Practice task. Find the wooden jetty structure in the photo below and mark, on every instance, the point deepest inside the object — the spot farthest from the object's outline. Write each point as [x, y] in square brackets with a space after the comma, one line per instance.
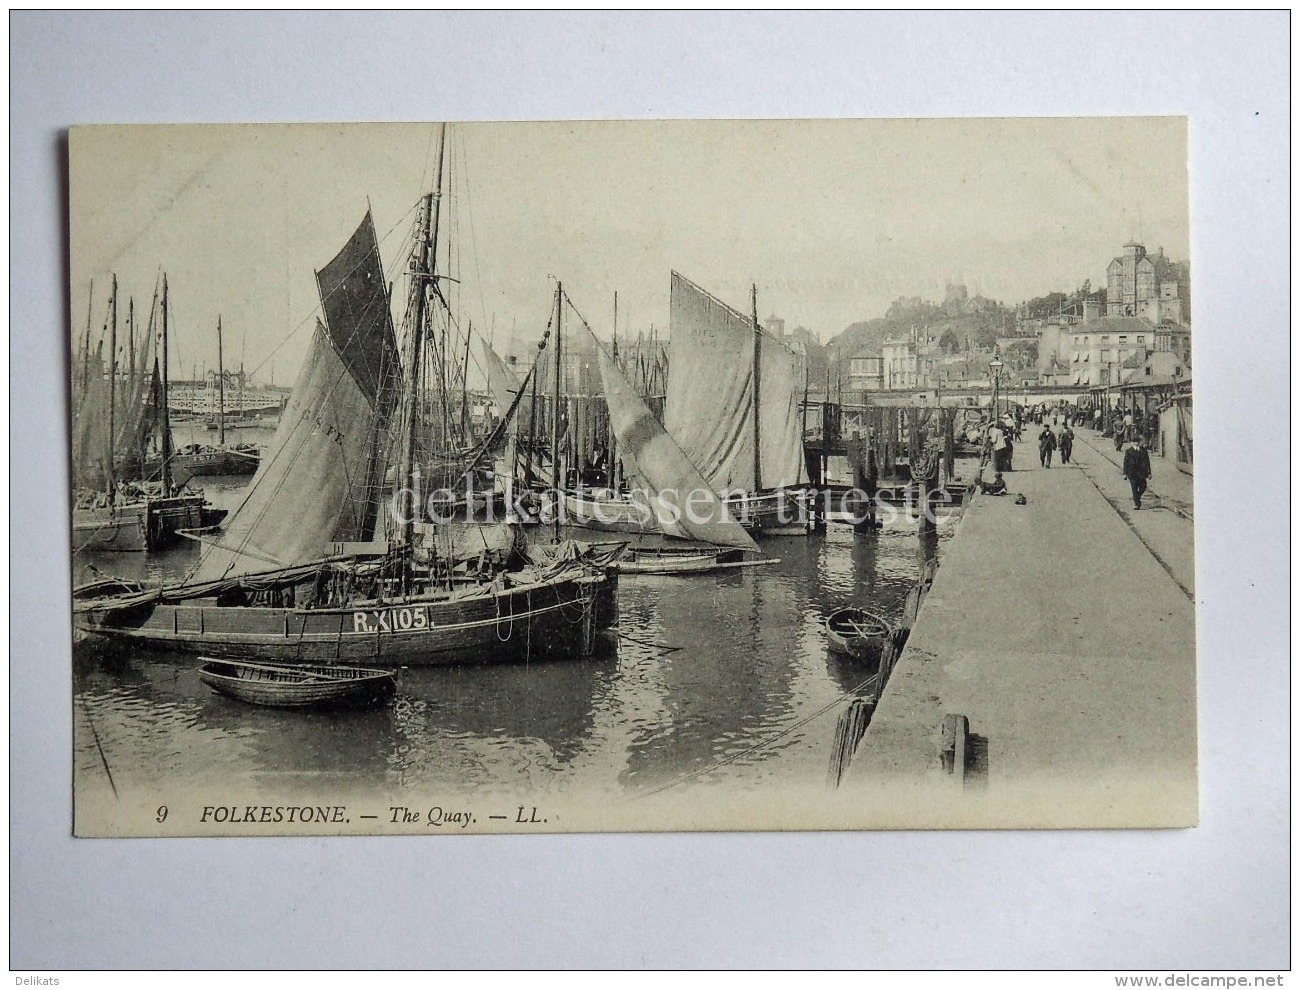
[901, 455]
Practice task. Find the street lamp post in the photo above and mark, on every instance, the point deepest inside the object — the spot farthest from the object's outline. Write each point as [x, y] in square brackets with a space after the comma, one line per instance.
[995, 372]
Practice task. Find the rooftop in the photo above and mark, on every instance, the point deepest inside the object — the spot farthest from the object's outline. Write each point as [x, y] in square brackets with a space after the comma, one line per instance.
[1116, 324]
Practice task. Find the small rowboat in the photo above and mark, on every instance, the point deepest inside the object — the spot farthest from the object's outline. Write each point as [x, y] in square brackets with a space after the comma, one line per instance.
[282, 686]
[693, 560]
[857, 633]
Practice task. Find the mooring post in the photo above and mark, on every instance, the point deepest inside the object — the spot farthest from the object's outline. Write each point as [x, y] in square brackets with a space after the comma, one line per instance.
[954, 746]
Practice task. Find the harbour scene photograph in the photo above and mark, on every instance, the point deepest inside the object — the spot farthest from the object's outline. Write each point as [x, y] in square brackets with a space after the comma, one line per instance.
[631, 476]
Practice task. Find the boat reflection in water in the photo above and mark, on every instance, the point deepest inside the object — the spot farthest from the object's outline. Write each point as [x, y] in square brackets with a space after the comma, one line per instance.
[709, 684]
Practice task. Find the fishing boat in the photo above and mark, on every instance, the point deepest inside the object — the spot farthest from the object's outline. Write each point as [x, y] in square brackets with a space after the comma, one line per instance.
[733, 408]
[309, 570]
[117, 414]
[203, 460]
[280, 686]
[857, 633]
[669, 495]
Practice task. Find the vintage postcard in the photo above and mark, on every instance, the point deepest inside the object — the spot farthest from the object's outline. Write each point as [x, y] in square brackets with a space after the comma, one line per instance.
[625, 476]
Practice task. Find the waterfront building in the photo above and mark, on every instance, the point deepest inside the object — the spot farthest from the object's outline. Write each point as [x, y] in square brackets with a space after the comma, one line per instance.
[1151, 367]
[866, 373]
[1099, 349]
[900, 363]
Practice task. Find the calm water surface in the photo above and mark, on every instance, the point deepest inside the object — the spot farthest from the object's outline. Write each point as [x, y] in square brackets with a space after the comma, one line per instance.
[710, 680]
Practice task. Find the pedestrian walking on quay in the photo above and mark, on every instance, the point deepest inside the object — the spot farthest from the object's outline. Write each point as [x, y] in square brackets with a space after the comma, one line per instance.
[1046, 444]
[1137, 469]
[1067, 443]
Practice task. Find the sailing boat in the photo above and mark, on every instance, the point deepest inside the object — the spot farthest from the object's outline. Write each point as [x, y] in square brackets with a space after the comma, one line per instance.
[733, 408]
[304, 572]
[223, 458]
[680, 500]
[110, 433]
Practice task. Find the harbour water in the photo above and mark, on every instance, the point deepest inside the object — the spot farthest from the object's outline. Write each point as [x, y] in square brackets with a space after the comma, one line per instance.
[710, 680]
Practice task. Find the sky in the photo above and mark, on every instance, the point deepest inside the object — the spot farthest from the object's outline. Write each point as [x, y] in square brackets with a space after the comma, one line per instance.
[832, 220]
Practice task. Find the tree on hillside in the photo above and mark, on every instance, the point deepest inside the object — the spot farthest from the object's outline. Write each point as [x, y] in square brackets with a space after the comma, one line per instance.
[949, 342]
[1022, 354]
[1048, 305]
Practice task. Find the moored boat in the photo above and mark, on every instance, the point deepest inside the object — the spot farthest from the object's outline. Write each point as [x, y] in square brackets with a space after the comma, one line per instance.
[601, 509]
[733, 408]
[523, 615]
[118, 414]
[279, 686]
[205, 460]
[318, 564]
[111, 527]
[857, 633]
[139, 522]
[686, 560]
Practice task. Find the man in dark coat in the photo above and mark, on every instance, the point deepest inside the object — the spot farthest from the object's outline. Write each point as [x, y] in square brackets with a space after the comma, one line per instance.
[1137, 468]
[1046, 444]
[1067, 442]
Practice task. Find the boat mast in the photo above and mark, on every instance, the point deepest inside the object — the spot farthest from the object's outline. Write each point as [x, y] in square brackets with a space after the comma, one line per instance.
[130, 348]
[422, 270]
[464, 390]
[221, 389]
[611, 442]
[758, 357]
[803, 410]
[555, 419]
[112, 389]
[85, 353]
[166, 405]
[420, 277]
[532, 459]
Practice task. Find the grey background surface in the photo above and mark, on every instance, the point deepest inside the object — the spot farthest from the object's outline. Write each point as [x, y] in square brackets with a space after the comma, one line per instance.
[1215, 896]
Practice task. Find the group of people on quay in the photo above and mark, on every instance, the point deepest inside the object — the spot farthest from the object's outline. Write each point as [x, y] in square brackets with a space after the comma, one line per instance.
[1057, 423]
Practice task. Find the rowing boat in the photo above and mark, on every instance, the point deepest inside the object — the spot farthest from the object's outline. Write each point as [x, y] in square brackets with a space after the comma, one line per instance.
[857, 633]
[687, 560]
[297, 687]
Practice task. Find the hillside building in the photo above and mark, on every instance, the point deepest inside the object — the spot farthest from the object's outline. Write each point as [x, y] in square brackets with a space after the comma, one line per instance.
[1148, 286]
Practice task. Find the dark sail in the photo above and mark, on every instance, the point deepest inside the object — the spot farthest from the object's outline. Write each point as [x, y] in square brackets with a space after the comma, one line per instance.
[318, 481]
[354, 298]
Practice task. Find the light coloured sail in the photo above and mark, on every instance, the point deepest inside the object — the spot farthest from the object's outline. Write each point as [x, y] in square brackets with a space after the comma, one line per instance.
[90, 444]
[683, 502]
[318, 481]
[709, 409]
[504, 387]
[502, 382]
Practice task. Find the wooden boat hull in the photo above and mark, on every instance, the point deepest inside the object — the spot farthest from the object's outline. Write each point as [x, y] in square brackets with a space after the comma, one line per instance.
[781, 513]
[609, 515]
[205, 463]
[686, 562]
[777, 513]
[151, 524]
[857, 633]
[169, 515]
[298, 687]
[551, 618]
[123, 528]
